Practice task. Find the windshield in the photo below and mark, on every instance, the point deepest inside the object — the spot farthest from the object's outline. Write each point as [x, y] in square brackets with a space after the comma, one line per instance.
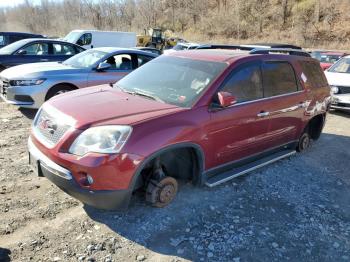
[329, 58]
[11, 48]
[342, 66]
[85, 59]
[72, 37]
[179, 47]
[173, 80]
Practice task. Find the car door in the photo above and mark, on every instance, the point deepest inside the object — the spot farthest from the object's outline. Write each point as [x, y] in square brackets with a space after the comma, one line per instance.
[32, 53]
[121, 65]
[286, 101]
[62, 51]
[238, 131]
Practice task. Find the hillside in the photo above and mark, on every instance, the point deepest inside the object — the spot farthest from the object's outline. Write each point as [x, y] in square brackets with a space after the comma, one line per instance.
[311, 23]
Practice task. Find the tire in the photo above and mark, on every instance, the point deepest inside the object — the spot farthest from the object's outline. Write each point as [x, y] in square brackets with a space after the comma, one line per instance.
[57, 90]
[161, 193]
[304, 142]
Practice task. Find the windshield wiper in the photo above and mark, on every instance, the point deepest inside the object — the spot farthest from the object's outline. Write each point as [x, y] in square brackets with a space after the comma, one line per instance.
[138, 93]
[148, 96]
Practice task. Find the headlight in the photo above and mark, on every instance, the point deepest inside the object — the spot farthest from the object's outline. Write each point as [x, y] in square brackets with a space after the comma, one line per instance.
[32, 82]
[101, 139]
[334, 89]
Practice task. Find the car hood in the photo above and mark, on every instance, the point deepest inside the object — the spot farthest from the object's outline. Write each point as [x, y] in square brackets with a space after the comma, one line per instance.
[104, 105]
[28, 71]
[338, 79]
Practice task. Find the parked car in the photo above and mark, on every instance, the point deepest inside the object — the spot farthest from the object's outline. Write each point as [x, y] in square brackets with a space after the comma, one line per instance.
[35, 50]
[7, 38]
[32, 84]
[94, 38]
[201, 116]
[181, 46]
[328, 58]
[338, 77]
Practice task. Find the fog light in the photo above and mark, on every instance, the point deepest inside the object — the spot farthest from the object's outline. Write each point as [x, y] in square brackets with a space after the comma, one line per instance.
[85, 179]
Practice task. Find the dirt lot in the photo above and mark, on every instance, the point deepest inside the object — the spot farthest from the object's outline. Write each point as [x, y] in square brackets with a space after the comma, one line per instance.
[297, 209]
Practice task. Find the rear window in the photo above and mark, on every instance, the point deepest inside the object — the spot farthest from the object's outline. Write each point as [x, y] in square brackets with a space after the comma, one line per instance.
[313, 74]
[278, 78]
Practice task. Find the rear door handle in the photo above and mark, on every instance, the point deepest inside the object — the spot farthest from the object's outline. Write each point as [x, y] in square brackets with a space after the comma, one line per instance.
[263, 114]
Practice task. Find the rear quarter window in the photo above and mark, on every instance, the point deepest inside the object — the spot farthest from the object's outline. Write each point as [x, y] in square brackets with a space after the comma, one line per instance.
[314, 75]
[278, 78]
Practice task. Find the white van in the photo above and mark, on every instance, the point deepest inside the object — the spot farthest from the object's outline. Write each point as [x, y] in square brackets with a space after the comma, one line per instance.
[94, 38]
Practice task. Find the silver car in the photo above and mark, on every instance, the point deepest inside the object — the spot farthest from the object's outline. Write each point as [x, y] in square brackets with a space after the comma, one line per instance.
[31, 85]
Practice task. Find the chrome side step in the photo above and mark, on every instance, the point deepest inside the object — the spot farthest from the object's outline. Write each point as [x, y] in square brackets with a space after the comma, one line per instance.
[235, 172]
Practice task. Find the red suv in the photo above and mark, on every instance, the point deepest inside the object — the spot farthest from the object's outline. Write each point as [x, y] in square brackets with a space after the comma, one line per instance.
[204, 115]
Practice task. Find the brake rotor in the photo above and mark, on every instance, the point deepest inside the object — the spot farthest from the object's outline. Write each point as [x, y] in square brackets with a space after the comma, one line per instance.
[161, 193]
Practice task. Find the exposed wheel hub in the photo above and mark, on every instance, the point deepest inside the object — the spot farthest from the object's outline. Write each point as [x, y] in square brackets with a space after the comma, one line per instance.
[161, 193]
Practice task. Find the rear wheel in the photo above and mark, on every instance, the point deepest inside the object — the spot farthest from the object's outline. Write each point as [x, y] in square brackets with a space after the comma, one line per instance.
[161, 193]
[57, 90]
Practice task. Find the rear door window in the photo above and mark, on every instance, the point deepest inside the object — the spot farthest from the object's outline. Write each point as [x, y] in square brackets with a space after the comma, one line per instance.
[245, 83]
[63, 49]
[142, 59]
[313, 74]
[278, 78]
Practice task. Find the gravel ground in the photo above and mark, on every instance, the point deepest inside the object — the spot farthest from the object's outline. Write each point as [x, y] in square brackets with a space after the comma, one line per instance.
[297, 209]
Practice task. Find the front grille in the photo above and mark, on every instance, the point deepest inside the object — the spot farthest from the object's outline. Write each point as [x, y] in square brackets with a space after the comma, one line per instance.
[344, 89]
[49, 129]
[4, 84]
[343, 105]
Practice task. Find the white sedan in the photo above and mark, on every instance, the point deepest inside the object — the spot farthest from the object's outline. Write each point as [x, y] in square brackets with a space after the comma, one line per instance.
[338, 77]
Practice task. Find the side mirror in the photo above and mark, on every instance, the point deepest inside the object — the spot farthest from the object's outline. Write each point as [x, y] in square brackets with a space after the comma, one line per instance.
[103, 66]
[226, 99]
[22, 52]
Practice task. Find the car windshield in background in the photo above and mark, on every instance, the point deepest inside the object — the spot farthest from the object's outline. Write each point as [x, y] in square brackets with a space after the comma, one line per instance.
[179, 47]
[72, 37]
[9, 49]
[329, 58]
[172, 80]
[85, 59]
[342, 66]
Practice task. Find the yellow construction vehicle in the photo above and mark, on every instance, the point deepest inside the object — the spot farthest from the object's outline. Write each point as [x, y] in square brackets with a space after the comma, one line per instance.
[155, 38]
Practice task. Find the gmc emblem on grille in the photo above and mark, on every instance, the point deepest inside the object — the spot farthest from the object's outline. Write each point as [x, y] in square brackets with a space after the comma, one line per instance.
[48, 124]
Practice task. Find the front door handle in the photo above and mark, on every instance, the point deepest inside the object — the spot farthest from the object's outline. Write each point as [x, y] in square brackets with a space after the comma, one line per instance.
[302, 104]
[263, 114]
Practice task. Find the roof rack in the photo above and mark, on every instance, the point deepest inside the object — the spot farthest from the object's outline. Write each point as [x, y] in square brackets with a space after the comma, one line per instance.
[216, 46]
[289, 51]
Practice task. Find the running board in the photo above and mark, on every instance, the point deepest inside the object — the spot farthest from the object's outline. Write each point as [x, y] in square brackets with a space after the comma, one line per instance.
[238, 171]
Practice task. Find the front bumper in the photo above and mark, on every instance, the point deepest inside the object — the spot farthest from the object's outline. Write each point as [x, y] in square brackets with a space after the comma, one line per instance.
[63, 178]
[35, 95]
[341, 102]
